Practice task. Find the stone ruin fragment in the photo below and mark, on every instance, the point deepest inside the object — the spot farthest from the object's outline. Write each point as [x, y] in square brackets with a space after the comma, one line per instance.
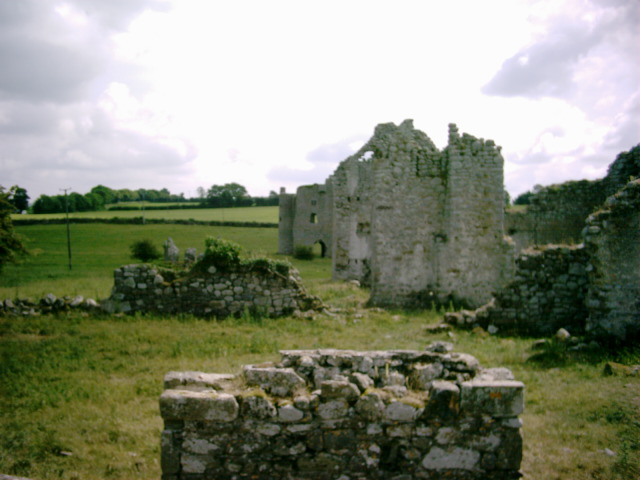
[343, 414]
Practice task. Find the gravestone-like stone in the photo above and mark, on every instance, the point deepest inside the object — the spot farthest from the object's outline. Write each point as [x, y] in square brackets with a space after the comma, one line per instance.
[171, 251]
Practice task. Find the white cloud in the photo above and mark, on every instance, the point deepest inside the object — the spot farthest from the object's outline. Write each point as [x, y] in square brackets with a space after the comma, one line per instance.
[181, 94]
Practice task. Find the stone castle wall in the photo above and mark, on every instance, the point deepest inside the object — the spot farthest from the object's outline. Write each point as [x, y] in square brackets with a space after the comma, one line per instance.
[287, 214]
[306, 218]
[436, 218]
[557, 213]
[352, 221]
[414, 223]
[612, 240]
[145, 288]
[338, 414]
[547, 294]
[593, 287]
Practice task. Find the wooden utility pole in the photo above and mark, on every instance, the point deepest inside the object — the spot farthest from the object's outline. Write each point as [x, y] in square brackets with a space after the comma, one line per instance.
[66, 207]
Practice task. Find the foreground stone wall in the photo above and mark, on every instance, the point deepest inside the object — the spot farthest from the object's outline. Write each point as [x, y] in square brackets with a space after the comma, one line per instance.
[144, 288]
[340, 414]
[612, 240]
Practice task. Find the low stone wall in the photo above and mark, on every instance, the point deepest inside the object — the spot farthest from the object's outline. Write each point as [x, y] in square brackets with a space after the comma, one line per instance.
[547, 293]
[340, 414]
[144, 288]
[26, 307]
[556, 215]
[612, 239]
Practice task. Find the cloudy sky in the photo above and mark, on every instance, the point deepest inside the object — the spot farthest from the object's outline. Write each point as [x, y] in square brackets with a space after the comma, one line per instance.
[188, 93]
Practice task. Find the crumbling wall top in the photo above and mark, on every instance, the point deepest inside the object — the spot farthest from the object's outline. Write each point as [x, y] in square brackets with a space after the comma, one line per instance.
[330, 414]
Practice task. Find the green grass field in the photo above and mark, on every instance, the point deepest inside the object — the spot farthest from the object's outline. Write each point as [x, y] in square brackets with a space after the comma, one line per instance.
[98, 249]
[240, 214]
[79, 394]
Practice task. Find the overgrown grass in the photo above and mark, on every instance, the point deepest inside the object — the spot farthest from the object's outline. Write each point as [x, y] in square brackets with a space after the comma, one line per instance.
[82, 392]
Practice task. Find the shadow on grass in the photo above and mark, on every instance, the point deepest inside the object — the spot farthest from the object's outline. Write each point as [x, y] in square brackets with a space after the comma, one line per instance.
[553, 353]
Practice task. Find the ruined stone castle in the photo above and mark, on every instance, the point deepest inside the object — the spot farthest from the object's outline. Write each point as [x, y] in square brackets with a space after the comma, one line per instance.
[412, 222]
[421, 226]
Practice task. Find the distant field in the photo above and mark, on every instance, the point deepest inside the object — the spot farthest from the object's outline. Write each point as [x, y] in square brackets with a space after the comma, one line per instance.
[148, 204]
[240, 214]
[97, 249]
[517, 208]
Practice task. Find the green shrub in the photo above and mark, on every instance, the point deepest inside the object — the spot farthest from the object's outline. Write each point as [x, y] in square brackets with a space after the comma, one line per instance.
[144, 250]
[220, 253]
[268, 265]
[303, 252]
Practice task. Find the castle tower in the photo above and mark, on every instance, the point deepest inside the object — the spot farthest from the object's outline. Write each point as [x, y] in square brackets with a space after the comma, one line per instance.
[287, 209]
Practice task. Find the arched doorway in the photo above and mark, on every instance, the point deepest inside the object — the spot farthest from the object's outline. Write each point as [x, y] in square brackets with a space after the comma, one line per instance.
[320, 249]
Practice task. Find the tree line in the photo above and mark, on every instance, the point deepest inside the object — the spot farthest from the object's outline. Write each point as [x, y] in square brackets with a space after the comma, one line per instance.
[233, 195]
[11, 245]
[100, 197]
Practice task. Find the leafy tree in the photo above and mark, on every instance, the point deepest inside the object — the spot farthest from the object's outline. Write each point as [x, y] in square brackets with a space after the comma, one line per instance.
[272, 200]
[524, 198]
[107, 194]
[11, 245]
[47, 204]
[236, 191]
[95, 201]
[126, 195]
[20, 199]
[507, 199]
[148, 195]
[228, 195]
[80, 203]
[144, 250]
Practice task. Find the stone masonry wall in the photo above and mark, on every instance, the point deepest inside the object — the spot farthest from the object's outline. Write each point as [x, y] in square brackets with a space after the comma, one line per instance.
[593, 287]
[414, 223]
[306, 218]
[417, 224]
[144, 288]
[612, 240]
[547, 294]
[347, 415]
[557, 213]
[287, 212]
[352, 222]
